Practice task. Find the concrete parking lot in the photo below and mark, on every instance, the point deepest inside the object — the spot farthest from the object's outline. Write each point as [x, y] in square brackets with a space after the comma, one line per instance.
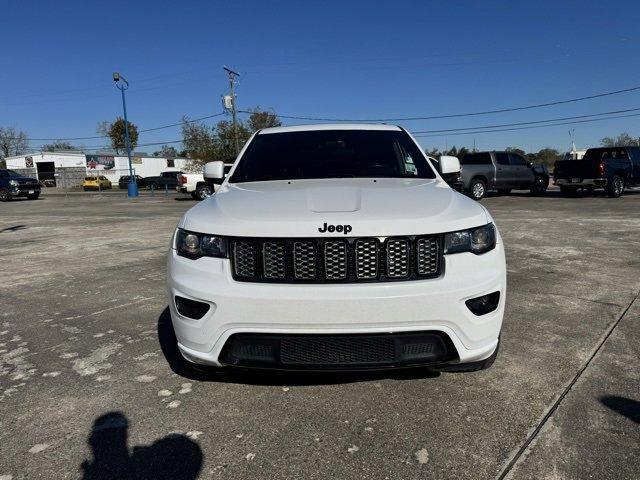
[89, 385]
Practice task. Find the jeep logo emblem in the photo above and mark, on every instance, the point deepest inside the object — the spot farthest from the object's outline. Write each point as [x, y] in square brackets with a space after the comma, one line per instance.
[335, 228]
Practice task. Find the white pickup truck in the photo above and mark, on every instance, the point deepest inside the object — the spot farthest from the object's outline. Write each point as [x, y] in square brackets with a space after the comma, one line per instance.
[333, 247]
[196, 185]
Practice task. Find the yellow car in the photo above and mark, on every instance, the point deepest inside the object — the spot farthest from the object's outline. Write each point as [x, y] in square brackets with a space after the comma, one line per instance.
[96, 182]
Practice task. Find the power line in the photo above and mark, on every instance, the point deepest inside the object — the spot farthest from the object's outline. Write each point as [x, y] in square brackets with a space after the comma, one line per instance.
[457, 115]
[139, 131]
[527, 123]
[526, 128]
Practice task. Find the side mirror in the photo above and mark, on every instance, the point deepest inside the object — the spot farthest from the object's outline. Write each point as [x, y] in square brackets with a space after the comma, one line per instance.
[449, 165]
[214, 170]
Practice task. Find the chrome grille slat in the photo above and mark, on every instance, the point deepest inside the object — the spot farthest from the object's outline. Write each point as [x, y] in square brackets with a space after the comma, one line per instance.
[398, 258]
[273, 260]
[304, 260]
[335, 259]
[244, 256]
[367, 258]
[348, 260]
[428, 257]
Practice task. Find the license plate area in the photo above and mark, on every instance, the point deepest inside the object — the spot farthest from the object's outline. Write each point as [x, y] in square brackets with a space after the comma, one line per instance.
[575, 180]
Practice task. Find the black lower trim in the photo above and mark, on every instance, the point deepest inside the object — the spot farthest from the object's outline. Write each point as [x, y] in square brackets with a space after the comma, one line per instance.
[338, 352]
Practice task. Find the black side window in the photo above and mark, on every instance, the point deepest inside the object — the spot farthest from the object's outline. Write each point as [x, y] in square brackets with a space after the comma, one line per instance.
[516, 159]
[483, 158]
[502, 158]
[170, 163]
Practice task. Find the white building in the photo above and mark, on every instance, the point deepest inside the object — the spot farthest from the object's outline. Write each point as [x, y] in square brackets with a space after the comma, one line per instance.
[68, 169]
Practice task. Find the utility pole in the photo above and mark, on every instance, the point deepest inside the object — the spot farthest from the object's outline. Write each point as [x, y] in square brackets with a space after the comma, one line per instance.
[234, 111]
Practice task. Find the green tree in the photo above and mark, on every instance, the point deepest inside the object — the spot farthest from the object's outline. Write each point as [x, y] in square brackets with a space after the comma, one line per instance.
[434, 152]
[204, 144]
[115, 132]
[166, 151]
[516, 150]
[260, 119]
[622, 140]
[548, 156]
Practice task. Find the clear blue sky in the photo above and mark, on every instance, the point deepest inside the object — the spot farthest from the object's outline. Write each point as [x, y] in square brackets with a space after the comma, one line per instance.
[328, 59]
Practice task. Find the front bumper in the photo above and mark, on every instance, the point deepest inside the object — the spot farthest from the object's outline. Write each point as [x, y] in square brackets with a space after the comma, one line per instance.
[422, 306]
[25, 190]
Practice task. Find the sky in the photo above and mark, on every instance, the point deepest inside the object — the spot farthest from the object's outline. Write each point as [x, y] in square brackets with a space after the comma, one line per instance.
[342, 59]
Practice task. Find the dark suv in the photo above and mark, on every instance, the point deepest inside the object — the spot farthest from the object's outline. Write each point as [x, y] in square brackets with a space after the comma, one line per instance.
[501, 171]
[12, 184]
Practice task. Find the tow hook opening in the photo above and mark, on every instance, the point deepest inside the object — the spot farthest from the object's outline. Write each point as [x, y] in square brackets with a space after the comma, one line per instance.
[484, 304]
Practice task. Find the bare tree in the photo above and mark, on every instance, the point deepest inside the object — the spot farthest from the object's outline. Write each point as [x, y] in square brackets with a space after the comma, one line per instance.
[12, 142]
[59, 145]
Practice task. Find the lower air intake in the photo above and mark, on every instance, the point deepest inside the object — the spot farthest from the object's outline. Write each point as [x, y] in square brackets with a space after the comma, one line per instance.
[336, 352]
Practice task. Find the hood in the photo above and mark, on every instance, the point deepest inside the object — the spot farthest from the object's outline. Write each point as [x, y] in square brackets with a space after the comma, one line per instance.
[300, 208]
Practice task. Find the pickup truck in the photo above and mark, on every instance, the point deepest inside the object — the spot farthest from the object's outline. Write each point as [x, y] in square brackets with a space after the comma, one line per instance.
[199, 187]
[501, 171]
[167, 179]
[612, 169]
[12, 184]
[336, 247]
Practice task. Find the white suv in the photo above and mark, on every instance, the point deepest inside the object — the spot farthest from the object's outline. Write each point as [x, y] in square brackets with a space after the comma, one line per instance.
[337, 247]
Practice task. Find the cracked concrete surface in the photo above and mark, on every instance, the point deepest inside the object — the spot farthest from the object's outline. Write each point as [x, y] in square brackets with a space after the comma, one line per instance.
[86, 274]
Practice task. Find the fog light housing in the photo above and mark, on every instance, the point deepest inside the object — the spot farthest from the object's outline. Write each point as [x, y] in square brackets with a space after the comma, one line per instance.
[191, 308]
[484, 304]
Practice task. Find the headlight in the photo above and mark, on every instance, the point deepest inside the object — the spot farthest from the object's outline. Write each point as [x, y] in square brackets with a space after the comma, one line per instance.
[475, 240]
[195, 245]
[13, 183]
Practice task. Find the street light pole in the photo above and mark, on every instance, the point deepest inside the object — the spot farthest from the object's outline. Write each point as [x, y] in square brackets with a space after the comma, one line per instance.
[122, 84]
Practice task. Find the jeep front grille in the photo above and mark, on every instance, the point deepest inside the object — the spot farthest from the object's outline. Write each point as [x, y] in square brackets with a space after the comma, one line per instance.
[332, 260]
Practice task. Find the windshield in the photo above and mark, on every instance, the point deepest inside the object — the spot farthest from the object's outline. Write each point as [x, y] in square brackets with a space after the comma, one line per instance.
[331, 154]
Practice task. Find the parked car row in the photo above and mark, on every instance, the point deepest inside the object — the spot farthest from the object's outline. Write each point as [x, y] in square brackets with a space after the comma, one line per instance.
[611, 169]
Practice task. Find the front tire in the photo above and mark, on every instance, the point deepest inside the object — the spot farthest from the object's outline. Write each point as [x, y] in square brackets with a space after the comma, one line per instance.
[5, 195]
[615, 187]
[204, 191]
[477, 189]
[540, 185]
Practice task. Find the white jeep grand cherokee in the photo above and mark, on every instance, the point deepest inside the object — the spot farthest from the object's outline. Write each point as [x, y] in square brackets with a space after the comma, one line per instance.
[337, 247]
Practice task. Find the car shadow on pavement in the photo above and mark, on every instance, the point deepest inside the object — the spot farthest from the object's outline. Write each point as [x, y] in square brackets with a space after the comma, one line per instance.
[174, 457]
[624, 406]
[168, 344]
